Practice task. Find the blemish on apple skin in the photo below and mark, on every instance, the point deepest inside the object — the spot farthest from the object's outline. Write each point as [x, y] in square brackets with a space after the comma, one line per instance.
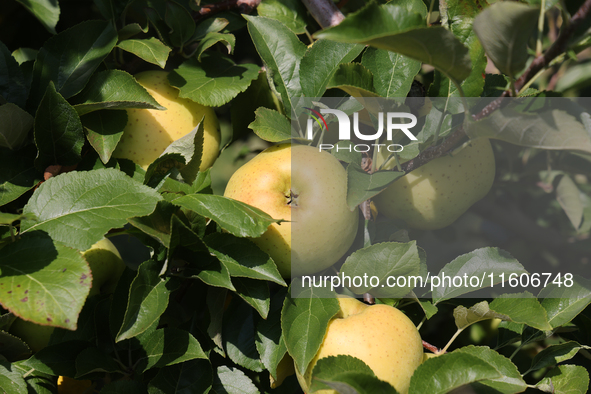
[25, 299]
[9, 291]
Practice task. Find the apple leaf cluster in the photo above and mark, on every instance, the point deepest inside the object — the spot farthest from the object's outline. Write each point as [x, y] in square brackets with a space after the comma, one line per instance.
[201, 306]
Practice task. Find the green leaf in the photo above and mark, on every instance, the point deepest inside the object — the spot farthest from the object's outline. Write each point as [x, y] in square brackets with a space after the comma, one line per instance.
[269, 337]
[359, 383]
[504, 30]
[158, 224]
[59, 135]
[282, 52]
[211, 25]
[354, 79]
[459, 17]
[439, 375]
[289, 12]
[104, 129]
[206, 267]
[11, 379]
[398, 29]
[568, 196]
[111, 9]
[555, 354]
[270, 125]
[70, 58]
[509, 381]
[551, 129]
[190, 147]
[12, 82]
[243, 258]
[330, 369]
[321, 61]
[362, 186]
[245, 221]
[46, 11]
[37, 382]
[113, 89]
[18, 173]
[43, 281]
[565, 379]
[212, 38]
[169, 346]
[479, 263]
[151, 50]
[216, 302]
[393, 73]
[13, 348]
[465, 317]
[57, 359]
[214, 81]
[563, 303]
[522, 308]
[65, 204]
[148, 299]
[23, 55]
[194, 376]
[238, 336]
[304, 320]
[181, 23]
[15, 126]
[383, 261]
[232, 381]
[255, 292]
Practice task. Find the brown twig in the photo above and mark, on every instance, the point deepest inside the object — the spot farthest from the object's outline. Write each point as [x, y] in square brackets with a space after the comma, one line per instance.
[244, 6]
[430, 347]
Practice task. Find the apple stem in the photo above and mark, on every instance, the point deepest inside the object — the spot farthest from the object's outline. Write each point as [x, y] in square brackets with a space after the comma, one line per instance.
[453, 338]
[430, 347]
[369, 299]
[292, 198]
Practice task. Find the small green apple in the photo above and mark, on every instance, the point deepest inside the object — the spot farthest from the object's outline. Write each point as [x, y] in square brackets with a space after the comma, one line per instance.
[379, 335]
[434, 195]
[309, 189]
[106, 266]
[148, 131]
[34, 335]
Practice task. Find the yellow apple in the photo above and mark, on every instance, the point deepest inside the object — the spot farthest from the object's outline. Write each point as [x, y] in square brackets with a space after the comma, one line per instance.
[106, 266]
[434, 195]
[148, 131]
[309, 189]
[34, 335]
[379, 335]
